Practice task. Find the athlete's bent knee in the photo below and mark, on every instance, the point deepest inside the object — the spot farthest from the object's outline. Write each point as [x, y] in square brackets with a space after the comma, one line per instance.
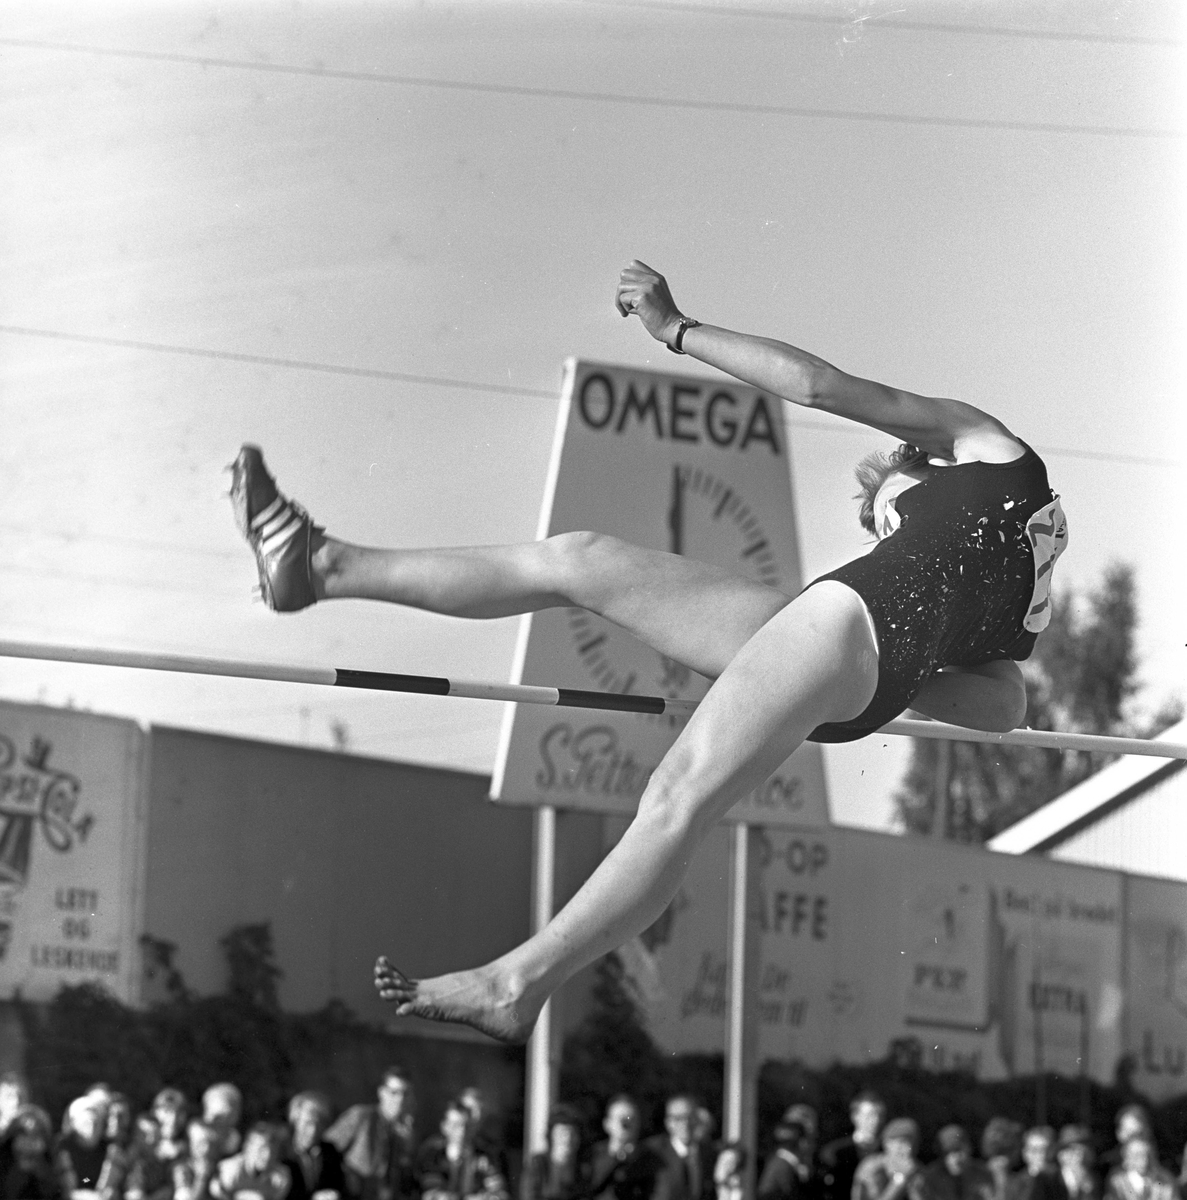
[571, 555]
[579, 543]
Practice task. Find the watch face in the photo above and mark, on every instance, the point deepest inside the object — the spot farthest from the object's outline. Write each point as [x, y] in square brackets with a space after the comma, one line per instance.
[707, 520]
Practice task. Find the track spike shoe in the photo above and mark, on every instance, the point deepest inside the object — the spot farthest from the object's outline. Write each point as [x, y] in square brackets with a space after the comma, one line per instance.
[278, 530]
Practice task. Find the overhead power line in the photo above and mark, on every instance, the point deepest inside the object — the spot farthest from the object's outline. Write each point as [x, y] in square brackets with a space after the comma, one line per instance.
[659, 102]
[289, 363]
[296, 364]
[882, 22]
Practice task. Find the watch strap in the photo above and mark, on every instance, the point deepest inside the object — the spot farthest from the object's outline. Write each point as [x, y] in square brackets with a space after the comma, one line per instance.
[676, 345]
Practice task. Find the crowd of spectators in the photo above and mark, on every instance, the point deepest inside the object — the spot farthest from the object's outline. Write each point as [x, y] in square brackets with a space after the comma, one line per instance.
[104, 1150]
[176, 1150]
[883, 1160]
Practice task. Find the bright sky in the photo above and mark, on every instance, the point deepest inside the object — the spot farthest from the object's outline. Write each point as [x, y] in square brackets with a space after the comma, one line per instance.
[366, 236]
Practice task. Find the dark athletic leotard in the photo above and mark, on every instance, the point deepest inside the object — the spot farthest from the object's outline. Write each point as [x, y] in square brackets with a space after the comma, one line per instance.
[963, 580]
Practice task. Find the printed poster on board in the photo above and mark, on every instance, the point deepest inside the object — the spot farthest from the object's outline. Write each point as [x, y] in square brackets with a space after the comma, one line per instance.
[688, 465]
[70, 853]
[873, 945]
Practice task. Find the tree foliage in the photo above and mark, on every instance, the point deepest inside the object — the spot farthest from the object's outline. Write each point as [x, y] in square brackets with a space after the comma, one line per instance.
[610, 1051]
[86, 1034]
[1078, 680]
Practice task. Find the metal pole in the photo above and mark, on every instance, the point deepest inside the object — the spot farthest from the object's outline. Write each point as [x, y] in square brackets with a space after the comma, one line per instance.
[539, 1064]
[736, 1012]
[742, 1015]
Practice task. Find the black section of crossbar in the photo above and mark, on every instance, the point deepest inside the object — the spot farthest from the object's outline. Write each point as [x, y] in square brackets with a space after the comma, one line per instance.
[383, 681]
[614, 701]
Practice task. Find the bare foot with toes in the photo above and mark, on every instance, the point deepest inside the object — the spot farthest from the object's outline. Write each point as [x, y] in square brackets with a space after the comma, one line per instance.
[481, 999]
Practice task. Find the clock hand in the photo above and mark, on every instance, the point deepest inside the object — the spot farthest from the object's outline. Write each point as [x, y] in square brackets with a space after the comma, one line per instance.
[676, 512]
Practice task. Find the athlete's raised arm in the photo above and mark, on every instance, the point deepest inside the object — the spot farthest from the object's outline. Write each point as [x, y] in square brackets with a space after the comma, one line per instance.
[950, 429]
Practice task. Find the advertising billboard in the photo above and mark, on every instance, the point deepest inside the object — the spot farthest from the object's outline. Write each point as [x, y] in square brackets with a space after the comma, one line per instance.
[873, 945]
[71, 851]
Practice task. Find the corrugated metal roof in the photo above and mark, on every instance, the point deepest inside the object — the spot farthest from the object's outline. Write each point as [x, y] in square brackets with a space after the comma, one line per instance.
[1147, 836]
[1090, 802]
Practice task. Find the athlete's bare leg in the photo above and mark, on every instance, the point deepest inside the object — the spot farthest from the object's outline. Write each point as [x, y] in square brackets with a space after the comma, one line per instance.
[697, 614]
[813, 661]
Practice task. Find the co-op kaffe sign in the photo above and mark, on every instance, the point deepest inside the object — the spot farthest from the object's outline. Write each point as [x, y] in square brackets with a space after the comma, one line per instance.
[70, 785]
[691, 466]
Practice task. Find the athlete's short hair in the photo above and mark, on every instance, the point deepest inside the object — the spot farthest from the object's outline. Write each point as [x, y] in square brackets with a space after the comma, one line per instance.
[871, 474]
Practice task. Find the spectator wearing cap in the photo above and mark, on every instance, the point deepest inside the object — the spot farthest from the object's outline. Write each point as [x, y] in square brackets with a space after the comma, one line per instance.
[314, 1163]
[29, 1173]
[620, 1168]
[839, 1159]
[955, 1175]
[1140, 1177]
[1039, 1178]
[375, 1141]
[1132, 1120]
[787, 1174]
[1074, 1155]
[895, 1173]
[1001, 1151]
[81, 1150]
[557, 1173]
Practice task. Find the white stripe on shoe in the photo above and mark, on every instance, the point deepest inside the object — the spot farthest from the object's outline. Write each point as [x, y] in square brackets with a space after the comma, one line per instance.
[282, 537]
[269, 512]
[282, 518]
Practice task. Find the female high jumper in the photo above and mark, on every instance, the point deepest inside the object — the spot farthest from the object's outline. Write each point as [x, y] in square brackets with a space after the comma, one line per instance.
[934, 617]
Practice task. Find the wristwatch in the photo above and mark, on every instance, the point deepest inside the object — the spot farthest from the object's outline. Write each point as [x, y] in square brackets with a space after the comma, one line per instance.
[675, 344]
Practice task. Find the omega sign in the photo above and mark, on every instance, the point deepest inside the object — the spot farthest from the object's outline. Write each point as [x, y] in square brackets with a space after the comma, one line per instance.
[678, 412]
[689, 466]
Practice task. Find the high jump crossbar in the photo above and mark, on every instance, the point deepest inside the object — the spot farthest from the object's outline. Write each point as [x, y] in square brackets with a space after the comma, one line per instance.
[428, 685]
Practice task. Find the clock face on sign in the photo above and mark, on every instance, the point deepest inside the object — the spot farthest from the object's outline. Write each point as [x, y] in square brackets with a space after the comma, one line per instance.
[709, 520]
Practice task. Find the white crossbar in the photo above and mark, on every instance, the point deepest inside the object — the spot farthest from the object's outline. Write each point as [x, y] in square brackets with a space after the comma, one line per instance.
[533, 694]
